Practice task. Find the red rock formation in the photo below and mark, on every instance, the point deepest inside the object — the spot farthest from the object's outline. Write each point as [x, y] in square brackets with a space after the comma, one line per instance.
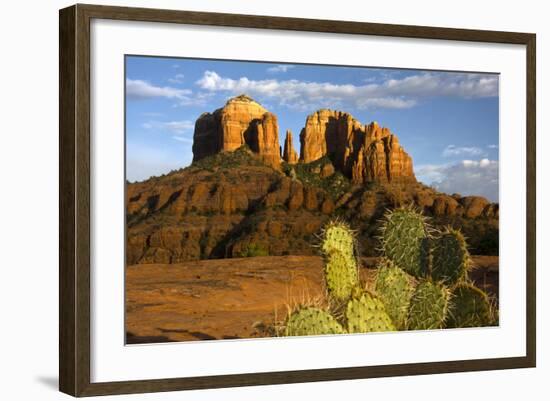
[444, 205]
[331, 132]
[264, 139]
[386, 161]
[289, 154]
[241, 121]
[375, 132]
[474, 206]
[364, 153]
[206, 139]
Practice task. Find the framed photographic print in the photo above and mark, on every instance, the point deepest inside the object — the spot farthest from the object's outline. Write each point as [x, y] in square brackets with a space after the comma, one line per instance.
[250, 200]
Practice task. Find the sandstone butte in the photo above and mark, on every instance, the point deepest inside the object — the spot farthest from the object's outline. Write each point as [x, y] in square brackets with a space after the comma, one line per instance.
[364, 153]
[242, 121]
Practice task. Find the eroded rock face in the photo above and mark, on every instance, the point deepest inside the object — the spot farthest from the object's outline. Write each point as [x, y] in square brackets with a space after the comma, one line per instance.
[444, 205]
[242, 121]
[207, 136]
[385, 160]
[264, 139]
[289, 154]
[363, 153]
[331, 132]
[474, 206]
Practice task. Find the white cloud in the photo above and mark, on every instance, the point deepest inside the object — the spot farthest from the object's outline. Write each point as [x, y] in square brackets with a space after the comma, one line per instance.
[139, 89]
[453, 150]
[469, 177]
[446, 84]
[198, 99]
[180, 126]
[492, 146]
[177, 127]
[177, 79]
[385, 103]
[391, 93]
[280, 68]
[430, 173]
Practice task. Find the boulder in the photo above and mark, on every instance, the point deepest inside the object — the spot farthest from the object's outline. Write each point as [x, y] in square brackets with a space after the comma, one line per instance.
[296, 196]
[473, 206]
[424, 199]
[444, 205]
[327, 170]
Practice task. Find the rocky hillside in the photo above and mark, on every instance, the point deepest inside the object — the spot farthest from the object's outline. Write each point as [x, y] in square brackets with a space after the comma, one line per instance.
[242, 196]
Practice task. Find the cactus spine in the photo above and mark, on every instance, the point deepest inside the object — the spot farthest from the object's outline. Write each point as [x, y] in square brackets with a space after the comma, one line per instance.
[404, 240]
[450, 257]
[367, 314]
[309, 321]
[338, 247]
[429, 306]
[470, 307]
[394, 288]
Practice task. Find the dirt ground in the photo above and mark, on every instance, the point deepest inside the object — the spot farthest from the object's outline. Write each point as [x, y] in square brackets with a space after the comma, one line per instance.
[234, 298]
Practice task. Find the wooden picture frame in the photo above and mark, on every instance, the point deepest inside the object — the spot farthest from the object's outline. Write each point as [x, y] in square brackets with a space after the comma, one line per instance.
[74, 204]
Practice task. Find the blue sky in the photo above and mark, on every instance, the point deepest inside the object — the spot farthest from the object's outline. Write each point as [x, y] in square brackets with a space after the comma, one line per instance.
[447, 121]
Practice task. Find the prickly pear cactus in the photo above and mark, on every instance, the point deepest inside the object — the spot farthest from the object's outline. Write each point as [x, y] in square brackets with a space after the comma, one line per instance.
[367, 314]
[341, 275]
[394, 288]
[404, 240]
[429, 306]
[338, 236]
[470, 307]
[450, 257]
[309, 321]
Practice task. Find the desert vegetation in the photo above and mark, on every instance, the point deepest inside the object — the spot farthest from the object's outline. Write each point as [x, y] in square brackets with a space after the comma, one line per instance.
[421, 282]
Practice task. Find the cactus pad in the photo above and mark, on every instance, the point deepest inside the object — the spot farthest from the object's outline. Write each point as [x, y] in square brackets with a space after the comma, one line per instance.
[429, 306]
[404, 240]
[450, 257]
[341, 275]
[309, 321]
[394, 288]
[470, 307]
[338, 236]
[367, 314]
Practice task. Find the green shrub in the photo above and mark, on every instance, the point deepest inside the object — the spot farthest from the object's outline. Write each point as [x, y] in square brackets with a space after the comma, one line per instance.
[253, 250]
